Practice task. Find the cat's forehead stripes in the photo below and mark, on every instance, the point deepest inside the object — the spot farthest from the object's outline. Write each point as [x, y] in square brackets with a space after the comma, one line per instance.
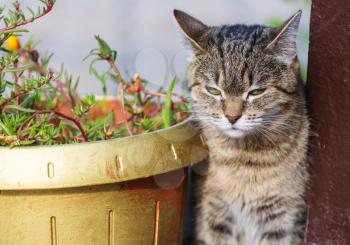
[235, 58]
[232, 46]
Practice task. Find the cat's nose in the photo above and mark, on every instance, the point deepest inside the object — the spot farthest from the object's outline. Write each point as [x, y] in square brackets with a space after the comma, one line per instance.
[232, 119]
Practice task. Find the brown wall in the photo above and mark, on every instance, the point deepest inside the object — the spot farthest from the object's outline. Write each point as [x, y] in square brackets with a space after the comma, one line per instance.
[328, 91]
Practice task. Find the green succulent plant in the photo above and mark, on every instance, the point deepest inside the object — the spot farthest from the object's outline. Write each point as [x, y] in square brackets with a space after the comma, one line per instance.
[41, 106]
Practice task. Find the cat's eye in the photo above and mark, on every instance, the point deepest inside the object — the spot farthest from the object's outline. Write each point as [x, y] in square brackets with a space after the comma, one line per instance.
[256, 92]
[213, 91]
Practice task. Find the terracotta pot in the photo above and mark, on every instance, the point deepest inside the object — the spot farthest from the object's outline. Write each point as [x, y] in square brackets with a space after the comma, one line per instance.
[125, 191]
[110, 105]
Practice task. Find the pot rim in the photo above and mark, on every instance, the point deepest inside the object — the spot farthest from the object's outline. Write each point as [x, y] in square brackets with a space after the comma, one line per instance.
[101, 162]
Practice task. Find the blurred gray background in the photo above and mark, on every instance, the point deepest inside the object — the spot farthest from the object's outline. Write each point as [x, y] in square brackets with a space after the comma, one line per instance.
[144, 32]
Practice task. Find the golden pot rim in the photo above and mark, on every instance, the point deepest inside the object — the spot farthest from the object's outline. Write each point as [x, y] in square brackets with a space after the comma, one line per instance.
[101, 162]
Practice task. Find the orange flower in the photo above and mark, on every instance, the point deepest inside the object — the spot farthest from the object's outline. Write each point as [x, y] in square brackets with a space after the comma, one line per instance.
[130, 89]
[137, 81]
[12, 43]
[109, 133]
[137, 84]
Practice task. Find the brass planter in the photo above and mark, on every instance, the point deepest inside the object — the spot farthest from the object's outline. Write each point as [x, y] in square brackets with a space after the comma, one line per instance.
[125, 191]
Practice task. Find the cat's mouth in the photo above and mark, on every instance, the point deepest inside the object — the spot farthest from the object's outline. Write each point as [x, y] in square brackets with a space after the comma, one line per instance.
[235, 132]
[232, 130]
[237, 129]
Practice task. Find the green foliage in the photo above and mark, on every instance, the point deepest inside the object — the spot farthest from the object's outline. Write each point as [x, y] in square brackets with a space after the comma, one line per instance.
[104, 51]
[274, 22]
[303, 73]
[39, 105]
[85, 105]
[166, 112]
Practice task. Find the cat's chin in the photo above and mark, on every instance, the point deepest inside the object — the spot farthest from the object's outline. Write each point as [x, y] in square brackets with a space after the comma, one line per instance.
[234, 133]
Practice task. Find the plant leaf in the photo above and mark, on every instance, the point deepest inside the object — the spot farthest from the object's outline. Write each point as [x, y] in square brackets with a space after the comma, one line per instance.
[166, 111]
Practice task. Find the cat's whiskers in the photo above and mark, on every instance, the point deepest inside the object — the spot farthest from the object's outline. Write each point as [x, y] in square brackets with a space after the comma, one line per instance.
[265, 134]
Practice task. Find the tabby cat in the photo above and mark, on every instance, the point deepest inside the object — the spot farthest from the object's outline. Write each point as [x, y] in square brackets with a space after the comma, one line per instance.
[249, 101]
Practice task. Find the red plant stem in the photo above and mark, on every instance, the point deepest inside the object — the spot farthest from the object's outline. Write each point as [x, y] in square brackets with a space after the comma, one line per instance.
[73, 120]
[7, 101]
[120, 92]
[17, 7]
[59, 114]
[163, 94]
[28, 20]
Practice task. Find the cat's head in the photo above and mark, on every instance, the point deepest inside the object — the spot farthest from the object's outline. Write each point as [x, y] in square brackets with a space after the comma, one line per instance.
[243, 79]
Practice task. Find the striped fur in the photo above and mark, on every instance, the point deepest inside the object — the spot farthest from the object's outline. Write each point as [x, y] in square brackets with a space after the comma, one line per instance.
[254, 191]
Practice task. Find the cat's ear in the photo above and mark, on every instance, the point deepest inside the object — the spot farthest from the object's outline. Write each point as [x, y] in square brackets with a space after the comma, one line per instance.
[284, 41]
[192, 28]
